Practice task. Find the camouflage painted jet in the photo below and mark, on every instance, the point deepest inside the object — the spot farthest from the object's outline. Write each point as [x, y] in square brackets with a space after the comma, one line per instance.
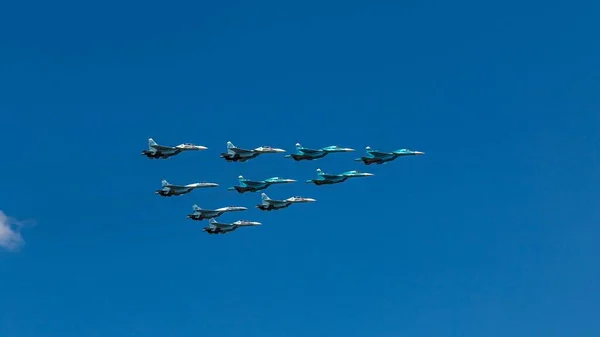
[253, 186]
[168, 189]
[303, 153]
[269, 204]
[201, 214]
[236, 154]
[376, 157]
[156, 151]
[215, 227]
[327, 179]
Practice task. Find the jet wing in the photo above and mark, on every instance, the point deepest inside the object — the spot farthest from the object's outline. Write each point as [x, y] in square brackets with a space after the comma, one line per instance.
[205, 211]
[162, 147]
[311, 151]
[238, 150]
[381, 154]
[253, 183]
[221, 225]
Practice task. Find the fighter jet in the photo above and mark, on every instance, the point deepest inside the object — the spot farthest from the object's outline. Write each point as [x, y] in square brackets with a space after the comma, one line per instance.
[168, 189]
[156, 151]
[201, 214]
[236, 154]
[327, 179]
[215, 227]
[269, 204]
[303, 153]
[376, 157]
[253, 186]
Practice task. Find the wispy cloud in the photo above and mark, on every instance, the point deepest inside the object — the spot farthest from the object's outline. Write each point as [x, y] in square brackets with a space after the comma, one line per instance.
[10, 233]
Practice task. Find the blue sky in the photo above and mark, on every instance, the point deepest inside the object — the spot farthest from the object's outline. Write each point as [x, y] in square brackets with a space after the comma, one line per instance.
[492, 233]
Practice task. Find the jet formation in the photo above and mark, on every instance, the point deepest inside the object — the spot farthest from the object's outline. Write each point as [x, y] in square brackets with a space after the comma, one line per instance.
[236, 154]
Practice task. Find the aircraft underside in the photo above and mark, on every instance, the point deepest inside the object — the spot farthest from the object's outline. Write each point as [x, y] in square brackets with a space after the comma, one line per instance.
[170, 193]
[236, 157]
[217, 230]
[369, 161]
[270, 207]
[298, 157]
[157, 155]
[203, 216]
[326, 182]
[243, 189]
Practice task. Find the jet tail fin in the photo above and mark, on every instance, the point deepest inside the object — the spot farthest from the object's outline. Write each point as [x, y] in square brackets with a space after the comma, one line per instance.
[230, 147]
[320, 172]
[264, 197]
[196, 208]
[164, 183]
[151, 143]
[299, 147]
[212, 221]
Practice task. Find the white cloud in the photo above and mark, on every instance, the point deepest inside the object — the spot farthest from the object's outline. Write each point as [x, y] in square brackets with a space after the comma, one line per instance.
[10, 233]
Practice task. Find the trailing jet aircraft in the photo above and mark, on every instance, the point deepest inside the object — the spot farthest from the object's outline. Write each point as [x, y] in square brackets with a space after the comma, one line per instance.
[269, 204]
[377, 157]
[236, 154]
[215, 227]
[156, 151]
[201, 214]
[327, 179]
[253, 185]
[303, 153]
[168, 189]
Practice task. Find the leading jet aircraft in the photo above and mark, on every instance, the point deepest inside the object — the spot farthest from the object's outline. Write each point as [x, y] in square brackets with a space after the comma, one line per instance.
[156, 151]
[236, 154]
[201, 214]
[303, 153]
[269, 204]
[253, 185]
[215, 227]
[168, 189]
[377, 157]
[327, 179]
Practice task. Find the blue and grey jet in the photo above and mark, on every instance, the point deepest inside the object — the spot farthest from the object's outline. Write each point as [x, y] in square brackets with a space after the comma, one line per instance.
[169, 189]
[215, 227]
[327, 179]
[236, 154]
[377, 157]
[201, 214]
[269, 204]
[253, 185]
[303, 153]
[156, 151]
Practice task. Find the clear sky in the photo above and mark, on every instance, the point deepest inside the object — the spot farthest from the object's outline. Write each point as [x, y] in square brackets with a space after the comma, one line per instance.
[494, 232]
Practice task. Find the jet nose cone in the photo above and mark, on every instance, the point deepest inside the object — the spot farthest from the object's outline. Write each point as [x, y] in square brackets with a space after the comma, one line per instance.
[419, 152]
[201, 147]
[278, 150]
[368, 174]
[348, 149]
[310, 200]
